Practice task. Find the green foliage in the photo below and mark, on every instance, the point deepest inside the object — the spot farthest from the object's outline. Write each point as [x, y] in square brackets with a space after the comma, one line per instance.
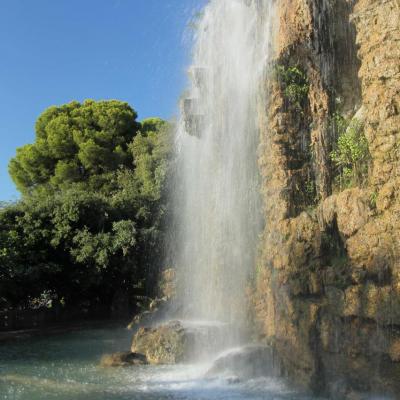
[5, 204]
[91, 219]
[149, 150]
[296, 86]
[75, 143]
[372, 199]
[351, 155]
[24, 263]
[98, 249]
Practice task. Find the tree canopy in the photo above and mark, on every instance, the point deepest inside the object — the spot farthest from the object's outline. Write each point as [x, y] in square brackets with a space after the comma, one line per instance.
[76, 143]
[91, 218]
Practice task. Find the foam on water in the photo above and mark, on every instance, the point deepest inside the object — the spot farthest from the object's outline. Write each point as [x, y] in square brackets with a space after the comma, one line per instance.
[188, 381]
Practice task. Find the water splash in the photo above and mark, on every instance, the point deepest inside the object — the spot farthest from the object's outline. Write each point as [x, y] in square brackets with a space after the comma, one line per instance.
[217, 201]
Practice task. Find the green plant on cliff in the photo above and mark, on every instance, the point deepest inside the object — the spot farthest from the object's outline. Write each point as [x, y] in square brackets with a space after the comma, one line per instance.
[351, 155]
[372, 199]
[295, 83]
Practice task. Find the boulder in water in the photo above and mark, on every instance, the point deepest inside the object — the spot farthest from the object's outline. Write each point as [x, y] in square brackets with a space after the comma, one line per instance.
[123, 359]
[164, 344]
[246, 362]
[180, 341]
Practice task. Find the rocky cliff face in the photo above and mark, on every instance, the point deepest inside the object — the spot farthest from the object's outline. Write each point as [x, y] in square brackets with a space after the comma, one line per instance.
[328, 277]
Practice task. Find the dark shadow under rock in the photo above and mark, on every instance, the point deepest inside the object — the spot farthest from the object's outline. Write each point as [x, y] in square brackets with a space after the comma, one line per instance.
[123, 359]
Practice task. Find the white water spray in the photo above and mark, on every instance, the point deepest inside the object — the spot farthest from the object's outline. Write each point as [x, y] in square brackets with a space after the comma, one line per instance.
[217, 205]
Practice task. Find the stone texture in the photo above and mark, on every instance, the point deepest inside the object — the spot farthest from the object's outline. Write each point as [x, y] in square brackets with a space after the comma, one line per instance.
[164, 344]
[352, 210]
[181, 341]
[378, 39]
[327, 291]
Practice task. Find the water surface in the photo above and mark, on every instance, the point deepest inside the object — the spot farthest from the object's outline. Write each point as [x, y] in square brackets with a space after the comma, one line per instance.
[66, 367]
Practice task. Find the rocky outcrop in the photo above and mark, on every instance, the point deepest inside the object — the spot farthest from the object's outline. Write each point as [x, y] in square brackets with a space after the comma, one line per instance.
[378, 41]
[328, 277]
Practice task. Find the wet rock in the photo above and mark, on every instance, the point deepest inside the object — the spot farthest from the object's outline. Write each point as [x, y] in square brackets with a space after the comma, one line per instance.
[168, 283]
[164, 344]
[327, 211]
[394, 350]
[247, 362]
[181, 341]
[123, 359]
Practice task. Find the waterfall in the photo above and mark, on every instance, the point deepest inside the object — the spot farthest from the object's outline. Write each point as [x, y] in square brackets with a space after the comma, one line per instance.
[217, 204]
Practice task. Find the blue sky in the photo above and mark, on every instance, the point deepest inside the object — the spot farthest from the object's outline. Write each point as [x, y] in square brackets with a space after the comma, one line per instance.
[55, 51]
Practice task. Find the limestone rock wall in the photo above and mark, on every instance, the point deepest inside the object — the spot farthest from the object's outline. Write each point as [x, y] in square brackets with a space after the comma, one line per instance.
[328, 275]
